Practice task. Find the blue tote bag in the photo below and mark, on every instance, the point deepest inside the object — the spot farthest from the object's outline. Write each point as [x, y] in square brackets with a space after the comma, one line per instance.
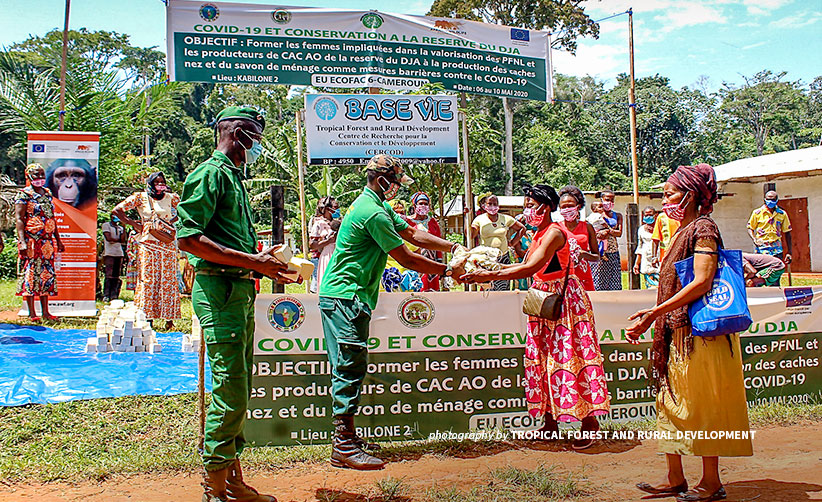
[724, 309]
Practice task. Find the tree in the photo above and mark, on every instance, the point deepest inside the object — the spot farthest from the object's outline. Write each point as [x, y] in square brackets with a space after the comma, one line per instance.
[764, 105]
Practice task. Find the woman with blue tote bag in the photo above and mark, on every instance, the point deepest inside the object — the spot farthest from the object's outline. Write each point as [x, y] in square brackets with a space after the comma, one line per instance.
[698, 379]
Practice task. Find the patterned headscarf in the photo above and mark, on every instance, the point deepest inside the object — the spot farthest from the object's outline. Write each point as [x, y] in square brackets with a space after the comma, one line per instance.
[699, 180]
[418, 197]
[544, 194]
[31, 169]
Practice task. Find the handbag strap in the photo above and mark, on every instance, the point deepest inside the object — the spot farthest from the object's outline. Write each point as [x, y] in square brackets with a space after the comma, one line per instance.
[567, 273]
[151, 206]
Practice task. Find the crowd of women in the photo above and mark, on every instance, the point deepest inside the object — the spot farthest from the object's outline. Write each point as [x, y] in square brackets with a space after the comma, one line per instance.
[698, 380]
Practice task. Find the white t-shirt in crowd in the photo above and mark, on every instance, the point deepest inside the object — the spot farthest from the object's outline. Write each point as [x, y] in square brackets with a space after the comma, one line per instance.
[112, 248]
[645, 248]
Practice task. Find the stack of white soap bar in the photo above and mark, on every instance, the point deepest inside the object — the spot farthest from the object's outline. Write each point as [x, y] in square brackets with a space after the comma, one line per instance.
[297, 267]
[191, 343]
[122, 327]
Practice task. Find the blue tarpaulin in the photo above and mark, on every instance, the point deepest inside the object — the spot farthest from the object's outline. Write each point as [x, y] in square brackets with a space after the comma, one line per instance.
[58, 369]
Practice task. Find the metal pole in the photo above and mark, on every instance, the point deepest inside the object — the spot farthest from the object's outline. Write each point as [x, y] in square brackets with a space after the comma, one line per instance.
[632, 107]
[303, 228]
[201, 390]
[63, 67]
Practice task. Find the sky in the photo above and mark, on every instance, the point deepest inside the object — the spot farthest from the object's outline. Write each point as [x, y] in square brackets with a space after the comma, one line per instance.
[695, 43]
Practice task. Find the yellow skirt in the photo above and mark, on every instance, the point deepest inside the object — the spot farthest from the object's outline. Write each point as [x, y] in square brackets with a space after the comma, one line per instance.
[710, 398]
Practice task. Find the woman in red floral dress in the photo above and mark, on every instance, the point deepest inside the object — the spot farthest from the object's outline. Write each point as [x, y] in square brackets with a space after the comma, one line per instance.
[37, 243]
[565, 380]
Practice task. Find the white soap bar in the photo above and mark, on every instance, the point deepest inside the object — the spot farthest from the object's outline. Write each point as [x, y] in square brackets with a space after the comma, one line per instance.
[282, 253]
[91, 347]
[298, 267]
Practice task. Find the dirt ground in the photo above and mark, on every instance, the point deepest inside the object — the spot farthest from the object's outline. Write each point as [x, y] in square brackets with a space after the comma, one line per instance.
[786, 467]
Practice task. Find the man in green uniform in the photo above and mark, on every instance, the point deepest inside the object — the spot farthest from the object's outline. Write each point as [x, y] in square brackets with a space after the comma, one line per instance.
[215, 226]
[370, 231]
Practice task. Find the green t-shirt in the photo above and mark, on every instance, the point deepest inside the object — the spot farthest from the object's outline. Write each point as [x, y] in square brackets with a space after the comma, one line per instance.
[369, 231]
[215, 204]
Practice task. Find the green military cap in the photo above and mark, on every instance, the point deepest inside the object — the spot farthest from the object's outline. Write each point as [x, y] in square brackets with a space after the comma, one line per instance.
[241, 113]
[382, 163]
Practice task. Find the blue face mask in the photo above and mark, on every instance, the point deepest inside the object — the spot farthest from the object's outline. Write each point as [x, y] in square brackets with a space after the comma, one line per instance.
[647, 219]
[336, 214]
[771, 203]
[253, 153]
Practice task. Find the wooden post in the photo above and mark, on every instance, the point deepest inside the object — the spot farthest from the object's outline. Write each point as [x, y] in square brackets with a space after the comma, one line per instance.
[63, 68]
[277, 225]
[508, 112]
[303, 222]
[632, 107]
[632, 227]
[468, 195]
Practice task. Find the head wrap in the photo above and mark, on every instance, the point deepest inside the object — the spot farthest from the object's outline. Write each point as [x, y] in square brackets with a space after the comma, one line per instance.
[544, 194]
[574, 192]
[700, 180]
[418, 197]
[398, 203]
[150, 185]
[31, 168]
[483, 197]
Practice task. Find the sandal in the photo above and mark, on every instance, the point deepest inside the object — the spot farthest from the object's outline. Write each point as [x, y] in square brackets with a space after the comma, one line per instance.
[52, 318]
[694, 496]
[582, 444]
[34, 318]
[664, 492]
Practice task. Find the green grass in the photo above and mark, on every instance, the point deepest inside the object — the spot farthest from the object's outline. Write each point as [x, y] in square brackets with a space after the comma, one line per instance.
[510, 484]
[98, 438]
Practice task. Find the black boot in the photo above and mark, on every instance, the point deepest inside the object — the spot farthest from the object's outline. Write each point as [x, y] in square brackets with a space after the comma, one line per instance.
[348, 448]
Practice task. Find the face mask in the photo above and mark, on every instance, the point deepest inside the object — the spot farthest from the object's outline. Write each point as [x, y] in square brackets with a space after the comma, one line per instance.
[771, 203]
[336, 214]
[492, 210]
[39, 183]
[253, 153]
[607, 205]
[422, 210]
[160, 188]
[647, 220]
[569, 213]
[392, 190]
[532, 217]
[676, 211]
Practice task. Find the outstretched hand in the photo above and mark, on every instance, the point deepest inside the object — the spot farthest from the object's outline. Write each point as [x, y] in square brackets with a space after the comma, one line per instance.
[271, 267]
[643, 320]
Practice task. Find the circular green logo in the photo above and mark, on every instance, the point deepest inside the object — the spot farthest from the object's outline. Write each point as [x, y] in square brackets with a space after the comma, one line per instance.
[372, 20]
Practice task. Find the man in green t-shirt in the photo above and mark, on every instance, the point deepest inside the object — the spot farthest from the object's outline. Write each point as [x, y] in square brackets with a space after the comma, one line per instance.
[215, 226]
[370, 232]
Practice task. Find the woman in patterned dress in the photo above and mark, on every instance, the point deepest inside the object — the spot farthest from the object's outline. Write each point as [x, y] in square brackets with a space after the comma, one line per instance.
[565, 380]
[157, 292]
[571, 201]
[38, 240]
[607, 272]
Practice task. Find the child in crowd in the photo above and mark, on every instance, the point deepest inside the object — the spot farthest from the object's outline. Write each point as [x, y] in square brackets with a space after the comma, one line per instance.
[598, 222]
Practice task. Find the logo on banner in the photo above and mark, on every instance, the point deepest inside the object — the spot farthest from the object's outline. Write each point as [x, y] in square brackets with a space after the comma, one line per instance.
[209, 12]
[520, 35]
[281, 16]
[326, 108]
[38, 148]
[720, 297]
[286, 314]
[450, 26]
[83, 149]
[798, 297]
[416, 312]
[372, 20]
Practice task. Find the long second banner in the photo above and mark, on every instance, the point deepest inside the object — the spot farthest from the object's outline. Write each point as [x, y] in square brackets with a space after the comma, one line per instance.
[454, 361]
[224, 42]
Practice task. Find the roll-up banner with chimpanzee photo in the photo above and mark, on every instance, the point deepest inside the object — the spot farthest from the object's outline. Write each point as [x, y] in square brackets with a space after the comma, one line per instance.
[71, 161]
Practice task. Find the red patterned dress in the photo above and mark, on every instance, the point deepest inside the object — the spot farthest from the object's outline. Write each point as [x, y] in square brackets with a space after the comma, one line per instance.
[158, 291]
[37, 275]
[563, 362]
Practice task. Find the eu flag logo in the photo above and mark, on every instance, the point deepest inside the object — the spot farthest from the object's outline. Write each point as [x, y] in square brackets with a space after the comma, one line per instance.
[796, 297]
[520, 34]
[38, 148]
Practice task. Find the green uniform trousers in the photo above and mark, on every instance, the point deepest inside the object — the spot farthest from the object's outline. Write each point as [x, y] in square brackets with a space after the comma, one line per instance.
[225, 307]
[345, 326]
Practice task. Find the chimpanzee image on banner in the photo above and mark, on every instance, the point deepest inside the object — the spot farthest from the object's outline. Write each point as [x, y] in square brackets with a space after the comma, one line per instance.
[70, 160]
